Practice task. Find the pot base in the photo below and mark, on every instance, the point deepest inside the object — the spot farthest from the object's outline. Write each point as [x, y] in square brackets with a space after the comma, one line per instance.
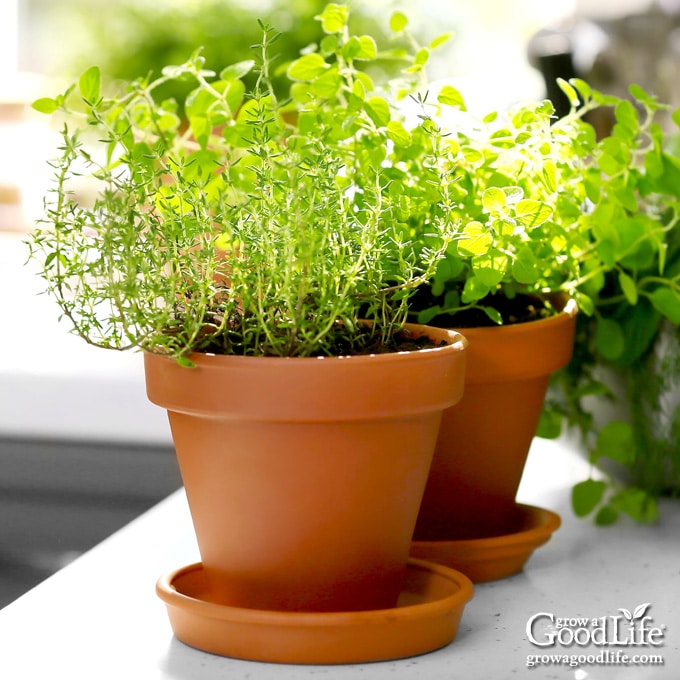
[493, 558]
[426, 618]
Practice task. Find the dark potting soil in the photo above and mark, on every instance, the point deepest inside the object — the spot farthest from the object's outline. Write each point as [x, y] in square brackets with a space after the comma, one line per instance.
[519, 309]
[340, 343]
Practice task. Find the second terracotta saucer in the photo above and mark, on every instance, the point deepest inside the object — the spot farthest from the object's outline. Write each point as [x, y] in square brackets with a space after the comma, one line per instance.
[495, 557]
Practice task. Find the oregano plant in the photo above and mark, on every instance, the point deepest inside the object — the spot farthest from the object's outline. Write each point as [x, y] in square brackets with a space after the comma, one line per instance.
[546, 208]
[258, 225]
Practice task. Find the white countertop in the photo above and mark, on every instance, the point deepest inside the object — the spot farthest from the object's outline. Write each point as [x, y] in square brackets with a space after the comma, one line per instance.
[99, 618]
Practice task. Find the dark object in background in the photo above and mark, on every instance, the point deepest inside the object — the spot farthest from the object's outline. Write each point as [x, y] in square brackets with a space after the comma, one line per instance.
[610, 54]
[551, 52]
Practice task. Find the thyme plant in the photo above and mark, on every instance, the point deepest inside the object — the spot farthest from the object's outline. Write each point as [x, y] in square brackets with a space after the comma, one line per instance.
[264, 226]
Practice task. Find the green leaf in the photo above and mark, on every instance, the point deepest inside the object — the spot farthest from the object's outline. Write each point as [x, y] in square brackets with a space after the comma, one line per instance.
[676, 117]
[351, 48]
[185, 362]
[549, 175]
[426, 315]
[638, 504]
[640, 325]
[667, 302]
[641, 95]
[365, 80]
[198, 102]
[307, 122]
[474, 290]
[626, 196]
[45, 105]
[513, 194]
[525, 266]
[90, 84]
[532, 213]
[398, 134]
[327, 84]
[629, 288]
[494, 199]
[609, 339]
[606, 516]
[233, 91]
[634, 249]
[584, 302]
[504, 226]
[472, 156]
[421, 57]
[582, 88]
[307, 67]
[334, 18]
[550, 424]
[606, 250]
[627, 115]
[367, 49]
[450, 96]
[378, 111]
[203, 102]
[490, 268]
[329, 44]
[398, 22]
[586, 495]
[451, 300]
[440, 40]
[610, 166]
[201, 128]
[300, 92]
[476, 239]
[493, 314]
[359, 90]
[569, 91]
[238, 70]
[615, 441]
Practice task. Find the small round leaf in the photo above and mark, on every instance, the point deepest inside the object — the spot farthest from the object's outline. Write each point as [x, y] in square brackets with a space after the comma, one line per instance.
[609, 339]
[398, 22]
[586, 495]
[307, 67]
[476, 239]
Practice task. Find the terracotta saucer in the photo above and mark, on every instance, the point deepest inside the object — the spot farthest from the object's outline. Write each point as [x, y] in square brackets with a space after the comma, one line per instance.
[492, 558]
[426, 618]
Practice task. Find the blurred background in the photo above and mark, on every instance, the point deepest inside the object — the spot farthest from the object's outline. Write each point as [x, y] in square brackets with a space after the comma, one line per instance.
[82, 452]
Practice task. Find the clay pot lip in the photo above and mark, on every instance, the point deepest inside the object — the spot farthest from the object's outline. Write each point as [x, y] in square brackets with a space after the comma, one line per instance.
[295, 389]
[461, 591]
[569, 312]
[520, 351]
[455, 342]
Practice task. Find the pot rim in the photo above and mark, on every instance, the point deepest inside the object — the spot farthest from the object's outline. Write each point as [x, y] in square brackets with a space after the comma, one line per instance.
[569, 311]
[455, 341]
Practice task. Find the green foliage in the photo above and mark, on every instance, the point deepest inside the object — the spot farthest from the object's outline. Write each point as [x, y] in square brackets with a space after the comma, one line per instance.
[262, 225]
[136, 38]
[544, 207]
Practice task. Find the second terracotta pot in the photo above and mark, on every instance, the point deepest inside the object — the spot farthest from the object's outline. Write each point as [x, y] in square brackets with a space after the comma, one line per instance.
[304, 475]
[484, 442]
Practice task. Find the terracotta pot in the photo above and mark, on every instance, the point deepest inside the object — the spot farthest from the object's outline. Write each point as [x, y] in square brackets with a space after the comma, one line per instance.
[304, 475]
[483, 443]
